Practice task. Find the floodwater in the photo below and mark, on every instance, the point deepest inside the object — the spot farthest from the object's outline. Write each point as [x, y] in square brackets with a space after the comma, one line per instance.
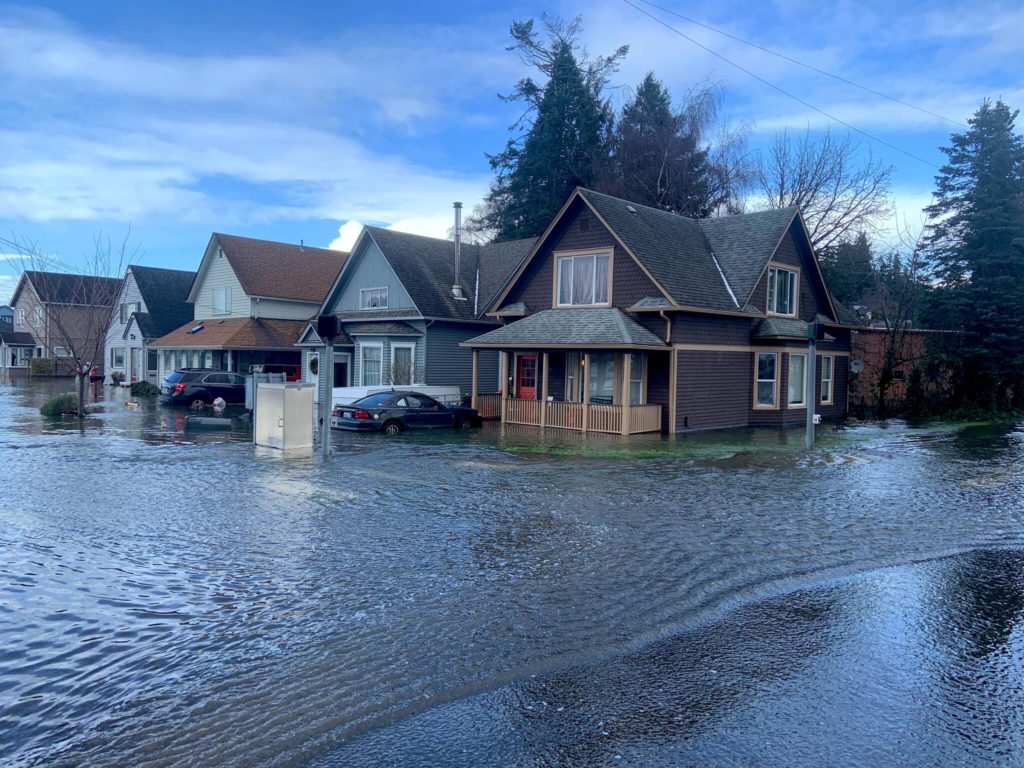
[507, 599]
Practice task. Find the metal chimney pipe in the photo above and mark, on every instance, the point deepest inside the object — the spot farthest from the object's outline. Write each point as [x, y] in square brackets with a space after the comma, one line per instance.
[456, 287]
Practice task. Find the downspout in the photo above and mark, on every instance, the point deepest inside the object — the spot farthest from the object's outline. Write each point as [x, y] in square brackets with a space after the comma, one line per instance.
[476, 295]
[668, 326]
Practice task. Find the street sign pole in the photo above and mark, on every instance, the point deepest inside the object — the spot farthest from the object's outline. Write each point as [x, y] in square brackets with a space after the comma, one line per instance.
[327, 369]
[812, 359]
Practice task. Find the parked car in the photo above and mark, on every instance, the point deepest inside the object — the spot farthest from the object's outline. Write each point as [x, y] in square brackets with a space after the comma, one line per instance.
[188, 386]
[393, 412]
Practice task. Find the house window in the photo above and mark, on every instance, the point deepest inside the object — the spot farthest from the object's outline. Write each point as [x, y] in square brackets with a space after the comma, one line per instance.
[222, 301]
[117, 357]
[827, 366]
[572, 367]
[782, 291]
[370, 370]
[403, 363]
[766, 379]
[602, 378]
[373, 298]
[636, 378]
[797, 389]
[21, 318]
[37, 316]
[60, 352]
[127, 310]
[582, 280]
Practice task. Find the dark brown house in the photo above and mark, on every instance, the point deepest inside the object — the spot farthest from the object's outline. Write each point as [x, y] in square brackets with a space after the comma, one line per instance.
[627, 319]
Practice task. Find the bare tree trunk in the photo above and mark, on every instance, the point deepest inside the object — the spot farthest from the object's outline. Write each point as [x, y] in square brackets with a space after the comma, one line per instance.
[80, 385]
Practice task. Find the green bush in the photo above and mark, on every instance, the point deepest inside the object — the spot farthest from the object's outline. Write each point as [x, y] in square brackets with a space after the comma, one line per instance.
[117, 377]
[40, 366]
[58, 406]
[144, 389]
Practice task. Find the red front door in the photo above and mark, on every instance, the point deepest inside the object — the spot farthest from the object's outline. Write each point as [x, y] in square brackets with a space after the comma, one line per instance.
[526, 377]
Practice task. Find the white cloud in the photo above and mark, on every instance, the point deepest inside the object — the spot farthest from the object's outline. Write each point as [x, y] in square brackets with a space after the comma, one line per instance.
[428, 226]
[348, 233]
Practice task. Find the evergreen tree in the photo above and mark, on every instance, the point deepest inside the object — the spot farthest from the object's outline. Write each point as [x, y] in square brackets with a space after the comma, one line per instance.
[656, 158]
[976, 242]
[849, 269]
[567, 141]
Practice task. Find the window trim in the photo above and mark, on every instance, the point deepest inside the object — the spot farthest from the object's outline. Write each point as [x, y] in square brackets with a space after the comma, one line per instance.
[113, 358]
[226, 310]
[383, 290]
[66, 351]
[769, 310]
[37, 316]
[557, 256]
[801, 405]
[831, 380]
[627, 397]
[411, 346]
[777, 382]
[378, 345]
[21, 319]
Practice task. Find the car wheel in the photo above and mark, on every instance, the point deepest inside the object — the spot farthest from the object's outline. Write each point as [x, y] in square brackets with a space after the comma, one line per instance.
[196, 403]
[462, 423]
[392, 428]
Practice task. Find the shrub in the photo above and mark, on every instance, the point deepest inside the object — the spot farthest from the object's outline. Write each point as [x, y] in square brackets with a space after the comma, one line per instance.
[117, 377]
[144, 389]
[40, 366]
[56, 407]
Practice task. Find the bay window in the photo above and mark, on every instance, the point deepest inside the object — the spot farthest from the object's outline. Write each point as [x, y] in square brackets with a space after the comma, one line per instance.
[797, 389]
[582, 280]
[782, 291]
[766, 380]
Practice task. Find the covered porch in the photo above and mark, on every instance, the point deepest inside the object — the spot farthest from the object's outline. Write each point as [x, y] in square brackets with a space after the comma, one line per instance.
[610, 379]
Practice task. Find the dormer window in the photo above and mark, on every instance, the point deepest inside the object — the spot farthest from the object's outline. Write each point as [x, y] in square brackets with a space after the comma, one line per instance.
[373, 298]
[783, 287]
[582, 280]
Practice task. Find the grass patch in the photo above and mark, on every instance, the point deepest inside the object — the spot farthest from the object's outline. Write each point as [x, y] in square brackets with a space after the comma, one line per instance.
[56, 407]
[144, 389]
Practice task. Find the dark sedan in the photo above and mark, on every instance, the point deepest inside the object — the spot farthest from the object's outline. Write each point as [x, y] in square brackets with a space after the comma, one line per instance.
[393, 412]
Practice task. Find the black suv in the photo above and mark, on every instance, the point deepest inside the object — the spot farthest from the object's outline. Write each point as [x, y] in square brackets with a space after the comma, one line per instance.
[188, 386]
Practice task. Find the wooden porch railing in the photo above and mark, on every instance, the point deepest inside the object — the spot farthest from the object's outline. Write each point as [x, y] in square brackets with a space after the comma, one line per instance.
[563, 415]
[489, 406]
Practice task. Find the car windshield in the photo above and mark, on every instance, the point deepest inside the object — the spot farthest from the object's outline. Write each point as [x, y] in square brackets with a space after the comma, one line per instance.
[380, 398]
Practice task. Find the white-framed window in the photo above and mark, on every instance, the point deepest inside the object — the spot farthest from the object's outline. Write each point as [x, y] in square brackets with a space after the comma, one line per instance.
[766, 380]
[37, 316]
[373, 298]
[782, 291]
[370, 359]
[222, 301]
[117, 357]
[797, 387]
[60, 352]
[637, 364]
[24, 354]
[127, 310]
[827, 376]
[403, 363]
[20, 318]
[582, 279]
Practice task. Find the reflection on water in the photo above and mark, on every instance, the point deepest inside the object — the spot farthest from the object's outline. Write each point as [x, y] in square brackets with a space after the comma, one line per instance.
[169, 597]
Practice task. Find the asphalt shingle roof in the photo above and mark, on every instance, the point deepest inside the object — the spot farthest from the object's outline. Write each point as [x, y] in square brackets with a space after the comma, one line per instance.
[63, 288]
[235, 333]
[281, 270]
[584, 327]
[390, 328]
[780, 327]
[17, 339]
[426, 267]
[681, 253]
[165, 294]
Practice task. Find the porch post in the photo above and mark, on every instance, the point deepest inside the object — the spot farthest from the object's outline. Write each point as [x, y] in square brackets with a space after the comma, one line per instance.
[627, 362]
[476, 368]
[504, 385]
[586, 391]
[544, 390]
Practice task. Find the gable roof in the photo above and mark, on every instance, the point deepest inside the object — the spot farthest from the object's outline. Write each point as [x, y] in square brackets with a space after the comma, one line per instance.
[600, 327]
[426, 268]
[165, 294]
[64, 288]
[281, 270]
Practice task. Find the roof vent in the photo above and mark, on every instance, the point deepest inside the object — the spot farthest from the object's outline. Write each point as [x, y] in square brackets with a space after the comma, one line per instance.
[196, 328]
[631, 209]
[456, 286]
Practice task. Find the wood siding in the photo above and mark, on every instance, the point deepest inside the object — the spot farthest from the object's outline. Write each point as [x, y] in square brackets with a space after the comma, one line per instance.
[115, 333]
[711, 329]
[282, 309]
[219, 274]
[370, 270]
[713, 389]
[448, 364]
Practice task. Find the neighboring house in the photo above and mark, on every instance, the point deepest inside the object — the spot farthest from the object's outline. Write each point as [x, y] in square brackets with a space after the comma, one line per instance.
[251, 300]
[152, 303]
[64, 314]
[629, 319]
[16, 349]
[6, 319]
[404, 313]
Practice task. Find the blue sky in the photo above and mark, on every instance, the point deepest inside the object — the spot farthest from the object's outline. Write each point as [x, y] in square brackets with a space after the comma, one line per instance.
[287, 122]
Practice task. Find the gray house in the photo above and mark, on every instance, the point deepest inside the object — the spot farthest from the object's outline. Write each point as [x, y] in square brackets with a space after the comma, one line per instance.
[406, 302]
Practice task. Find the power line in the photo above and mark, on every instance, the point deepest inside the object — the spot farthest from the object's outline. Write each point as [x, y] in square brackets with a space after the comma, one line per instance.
[781, 90]
[805, 65]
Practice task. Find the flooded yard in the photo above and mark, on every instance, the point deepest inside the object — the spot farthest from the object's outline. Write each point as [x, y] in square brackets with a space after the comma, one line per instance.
[507, 599]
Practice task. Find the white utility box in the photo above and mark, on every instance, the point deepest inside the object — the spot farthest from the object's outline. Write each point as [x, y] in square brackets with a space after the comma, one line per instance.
[281, 415]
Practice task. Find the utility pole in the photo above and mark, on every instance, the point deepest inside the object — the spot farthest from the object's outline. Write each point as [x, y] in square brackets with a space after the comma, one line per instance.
[812, 359]
[327, 329]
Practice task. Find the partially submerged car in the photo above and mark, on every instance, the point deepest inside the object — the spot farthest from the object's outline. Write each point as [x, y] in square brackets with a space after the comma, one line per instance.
[192, 386]
[394, 412]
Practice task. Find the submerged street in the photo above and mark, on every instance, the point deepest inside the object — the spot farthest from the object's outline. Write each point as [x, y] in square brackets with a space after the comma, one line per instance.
[507, 599]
